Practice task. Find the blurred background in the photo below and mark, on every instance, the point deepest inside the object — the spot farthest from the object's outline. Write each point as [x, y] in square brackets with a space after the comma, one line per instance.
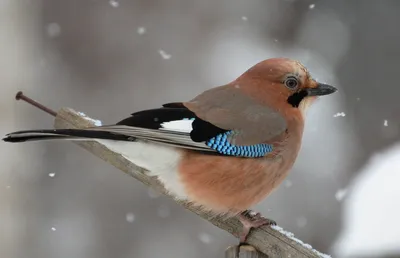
[111, 58]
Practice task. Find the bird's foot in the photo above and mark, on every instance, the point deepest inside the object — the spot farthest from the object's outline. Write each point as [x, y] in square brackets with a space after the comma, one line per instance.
[250, 220]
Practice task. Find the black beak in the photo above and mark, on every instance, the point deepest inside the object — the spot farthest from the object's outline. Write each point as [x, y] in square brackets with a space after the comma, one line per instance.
[320, 90]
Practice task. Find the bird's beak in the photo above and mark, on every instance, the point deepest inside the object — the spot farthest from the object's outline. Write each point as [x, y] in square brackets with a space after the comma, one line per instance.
[321, 89]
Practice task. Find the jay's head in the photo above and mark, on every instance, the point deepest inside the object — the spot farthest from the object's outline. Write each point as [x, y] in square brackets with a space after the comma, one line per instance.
[286, 80]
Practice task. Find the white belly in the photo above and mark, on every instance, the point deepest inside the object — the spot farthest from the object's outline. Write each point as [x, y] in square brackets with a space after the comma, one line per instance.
[159, 160]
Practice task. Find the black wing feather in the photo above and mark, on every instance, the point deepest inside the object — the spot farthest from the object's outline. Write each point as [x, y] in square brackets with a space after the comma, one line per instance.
[174, 105]
[204, 131]
[153, 118]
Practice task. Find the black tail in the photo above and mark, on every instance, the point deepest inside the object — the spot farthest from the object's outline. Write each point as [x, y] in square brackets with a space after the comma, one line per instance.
[63, 134]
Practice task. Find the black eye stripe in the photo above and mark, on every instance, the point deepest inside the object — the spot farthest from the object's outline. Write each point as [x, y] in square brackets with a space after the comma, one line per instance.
[295, 99]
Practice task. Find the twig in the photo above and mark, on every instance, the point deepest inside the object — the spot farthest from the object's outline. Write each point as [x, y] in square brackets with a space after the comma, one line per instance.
[273, 242]
[20, 96]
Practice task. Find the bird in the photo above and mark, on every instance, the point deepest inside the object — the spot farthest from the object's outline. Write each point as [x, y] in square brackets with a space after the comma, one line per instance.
[224, 150]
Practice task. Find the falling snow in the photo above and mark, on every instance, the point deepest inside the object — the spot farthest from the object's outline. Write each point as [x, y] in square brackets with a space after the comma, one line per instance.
[205, 238]
[342, 114]
[52, 174]
[130, 217]
[340, 194]
[8, 186]
[53, 30]
[237, 86]
[94, 121]
[311, 6]
[163, 211]
[114, 3]
[141, 30]
[244, 18]
[385, 123]
[291, 236]
[164, 54]
[53, 229]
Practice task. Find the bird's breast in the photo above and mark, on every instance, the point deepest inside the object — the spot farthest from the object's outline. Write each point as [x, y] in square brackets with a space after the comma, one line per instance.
[229, 184]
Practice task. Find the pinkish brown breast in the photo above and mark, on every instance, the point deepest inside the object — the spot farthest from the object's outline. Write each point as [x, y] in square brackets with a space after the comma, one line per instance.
[230, 184]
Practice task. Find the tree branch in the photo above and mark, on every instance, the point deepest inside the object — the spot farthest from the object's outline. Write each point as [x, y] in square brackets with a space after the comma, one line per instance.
[272, 241]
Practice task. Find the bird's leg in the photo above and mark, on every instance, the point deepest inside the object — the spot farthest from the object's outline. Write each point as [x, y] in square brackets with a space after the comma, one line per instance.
[250, 219]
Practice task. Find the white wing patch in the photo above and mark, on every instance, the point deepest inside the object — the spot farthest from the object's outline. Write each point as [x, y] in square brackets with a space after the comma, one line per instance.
[184, 125]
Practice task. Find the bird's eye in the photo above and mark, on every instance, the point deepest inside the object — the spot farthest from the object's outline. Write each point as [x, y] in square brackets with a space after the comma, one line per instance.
[291, 83]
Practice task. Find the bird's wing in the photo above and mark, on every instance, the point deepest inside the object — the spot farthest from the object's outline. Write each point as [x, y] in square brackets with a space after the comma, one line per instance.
[176, 125]
[230, 108]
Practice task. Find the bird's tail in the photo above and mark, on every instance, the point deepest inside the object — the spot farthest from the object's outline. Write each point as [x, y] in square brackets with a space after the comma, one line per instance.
[64, 134]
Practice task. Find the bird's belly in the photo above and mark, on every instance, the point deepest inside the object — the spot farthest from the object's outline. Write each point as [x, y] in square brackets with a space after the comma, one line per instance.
[228, 184]
[160, 161]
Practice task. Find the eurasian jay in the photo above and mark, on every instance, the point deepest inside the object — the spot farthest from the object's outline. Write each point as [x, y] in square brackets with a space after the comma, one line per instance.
[225, 150]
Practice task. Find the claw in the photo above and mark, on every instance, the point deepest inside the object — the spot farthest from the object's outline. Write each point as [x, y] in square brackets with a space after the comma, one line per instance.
[250, 220]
